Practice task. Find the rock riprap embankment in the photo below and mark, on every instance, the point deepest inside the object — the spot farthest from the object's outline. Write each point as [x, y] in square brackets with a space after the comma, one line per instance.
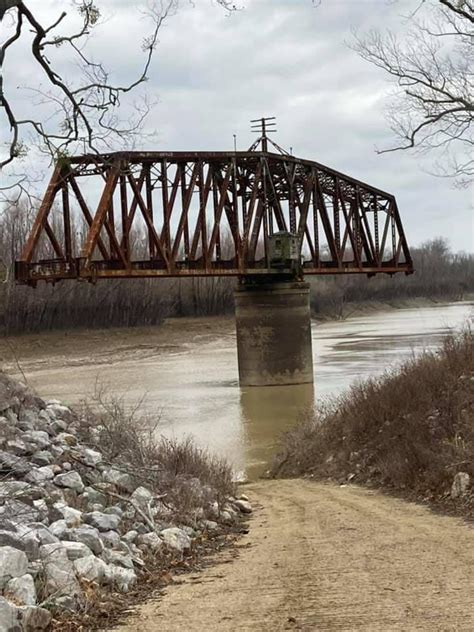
[70, 520]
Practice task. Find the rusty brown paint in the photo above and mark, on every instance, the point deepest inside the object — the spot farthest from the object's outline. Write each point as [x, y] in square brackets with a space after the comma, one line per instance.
[249, 194]
[40, 220]
[100, 218]
[87, 215]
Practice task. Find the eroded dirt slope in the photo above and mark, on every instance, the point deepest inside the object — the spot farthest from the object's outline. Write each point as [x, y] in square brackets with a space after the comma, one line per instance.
[321, 557]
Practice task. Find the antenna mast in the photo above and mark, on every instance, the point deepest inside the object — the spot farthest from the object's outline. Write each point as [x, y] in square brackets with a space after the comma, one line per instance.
[263, 126]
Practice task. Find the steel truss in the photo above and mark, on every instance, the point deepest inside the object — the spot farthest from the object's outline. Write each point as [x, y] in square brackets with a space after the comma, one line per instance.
[207, 214]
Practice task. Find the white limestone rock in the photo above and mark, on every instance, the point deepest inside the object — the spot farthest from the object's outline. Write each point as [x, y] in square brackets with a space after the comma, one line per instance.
[21, 590]
[9, 621]
[102, 521]
[70, 480]
[91, 568]
[176, 539]
[461, 484]
[13, 563]
[34, 618]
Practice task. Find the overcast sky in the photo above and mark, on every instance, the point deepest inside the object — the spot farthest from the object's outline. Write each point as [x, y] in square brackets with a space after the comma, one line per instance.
[286, 58]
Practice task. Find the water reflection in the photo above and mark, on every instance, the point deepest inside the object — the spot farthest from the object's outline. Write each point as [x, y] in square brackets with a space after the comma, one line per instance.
[266, 413]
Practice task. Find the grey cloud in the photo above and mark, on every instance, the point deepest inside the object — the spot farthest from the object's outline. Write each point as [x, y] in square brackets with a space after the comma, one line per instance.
[212, 73]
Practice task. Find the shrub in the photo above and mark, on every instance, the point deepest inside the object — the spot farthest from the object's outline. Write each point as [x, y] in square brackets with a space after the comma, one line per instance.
[410, 429]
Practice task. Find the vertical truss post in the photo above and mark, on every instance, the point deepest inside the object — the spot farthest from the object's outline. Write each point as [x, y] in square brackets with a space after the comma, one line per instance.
[241, 199]
[125, 243]
[376, 229]
[149, 205]
[67, 221]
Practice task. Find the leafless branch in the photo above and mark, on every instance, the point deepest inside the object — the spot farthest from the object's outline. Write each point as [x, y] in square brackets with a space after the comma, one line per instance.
[462, 8]
[86, 104]
[432, 106]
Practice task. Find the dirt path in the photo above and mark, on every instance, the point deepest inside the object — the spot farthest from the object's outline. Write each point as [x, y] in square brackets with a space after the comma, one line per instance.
[322, 557]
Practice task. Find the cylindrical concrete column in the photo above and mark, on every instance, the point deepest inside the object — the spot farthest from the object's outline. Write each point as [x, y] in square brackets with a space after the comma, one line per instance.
[274, 334]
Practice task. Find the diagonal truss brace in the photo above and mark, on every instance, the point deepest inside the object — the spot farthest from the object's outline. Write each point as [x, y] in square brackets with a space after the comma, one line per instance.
[207, 214]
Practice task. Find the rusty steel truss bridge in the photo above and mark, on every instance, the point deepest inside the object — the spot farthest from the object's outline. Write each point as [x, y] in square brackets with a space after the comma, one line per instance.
[207, 214]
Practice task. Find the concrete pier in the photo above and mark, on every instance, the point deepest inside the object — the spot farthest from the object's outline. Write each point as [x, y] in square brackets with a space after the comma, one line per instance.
[274, 333]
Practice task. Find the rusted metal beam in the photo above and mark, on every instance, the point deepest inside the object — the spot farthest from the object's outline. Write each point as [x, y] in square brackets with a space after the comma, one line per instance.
[40, 220]
[67, 221]
[87, 214]
[54, 270]
[100, 219]
[153, 239]
[192, 203]
[140, 157]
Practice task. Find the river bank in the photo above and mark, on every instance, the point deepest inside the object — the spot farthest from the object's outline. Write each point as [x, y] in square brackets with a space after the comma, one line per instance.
[408, 431]
[168, 336]
[95, 511]
[193, 372]
[360, 308]
[185, 373]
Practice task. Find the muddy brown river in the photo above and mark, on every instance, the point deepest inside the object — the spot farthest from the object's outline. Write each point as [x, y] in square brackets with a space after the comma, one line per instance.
[185, 372]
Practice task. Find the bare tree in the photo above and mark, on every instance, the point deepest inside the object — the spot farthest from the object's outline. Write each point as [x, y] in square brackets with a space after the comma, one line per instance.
[78, 110]
[432, 67]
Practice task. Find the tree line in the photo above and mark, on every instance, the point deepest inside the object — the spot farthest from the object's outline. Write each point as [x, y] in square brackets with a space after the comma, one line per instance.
[109, 303]
[440, 274]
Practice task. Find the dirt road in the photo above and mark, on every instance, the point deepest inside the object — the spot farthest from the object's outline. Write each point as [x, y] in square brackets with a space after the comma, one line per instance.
[321, 557]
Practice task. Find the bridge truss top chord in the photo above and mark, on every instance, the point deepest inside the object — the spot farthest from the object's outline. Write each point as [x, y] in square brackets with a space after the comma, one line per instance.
[159, 214]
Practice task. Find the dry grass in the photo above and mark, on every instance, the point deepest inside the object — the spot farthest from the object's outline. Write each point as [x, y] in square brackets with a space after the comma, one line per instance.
[16, 395]
[409, 430]
[187, 476]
